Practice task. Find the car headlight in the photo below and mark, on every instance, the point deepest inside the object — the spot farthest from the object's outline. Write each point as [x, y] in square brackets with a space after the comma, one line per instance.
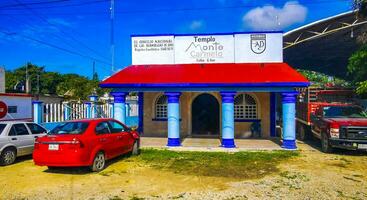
[334, 132]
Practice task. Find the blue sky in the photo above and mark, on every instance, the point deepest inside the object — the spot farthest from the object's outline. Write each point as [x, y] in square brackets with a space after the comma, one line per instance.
[83, 26]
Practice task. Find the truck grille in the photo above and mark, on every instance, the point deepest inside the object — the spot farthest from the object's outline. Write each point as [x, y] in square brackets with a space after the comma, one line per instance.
[353, 132]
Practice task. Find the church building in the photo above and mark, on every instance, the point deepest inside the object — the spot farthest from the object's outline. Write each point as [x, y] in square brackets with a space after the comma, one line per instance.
[214, 85]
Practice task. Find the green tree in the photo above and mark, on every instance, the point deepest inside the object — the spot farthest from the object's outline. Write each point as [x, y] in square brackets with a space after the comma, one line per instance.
[320, 79]
[73, 86]
[362, 6]
[357, 66]
[49, 82]
[357, 69]
[10, 81]
[19, 76]
[362, 88]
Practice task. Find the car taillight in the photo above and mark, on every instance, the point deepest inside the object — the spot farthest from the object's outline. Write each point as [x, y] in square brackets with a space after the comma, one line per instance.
[75, 143]
[334, 131]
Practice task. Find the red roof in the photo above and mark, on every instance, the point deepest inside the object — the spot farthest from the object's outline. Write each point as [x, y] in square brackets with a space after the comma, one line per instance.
[15, 95]
[257, 74]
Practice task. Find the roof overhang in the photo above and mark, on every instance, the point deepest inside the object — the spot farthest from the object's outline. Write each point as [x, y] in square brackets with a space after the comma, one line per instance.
[325, 45]
[201, 77]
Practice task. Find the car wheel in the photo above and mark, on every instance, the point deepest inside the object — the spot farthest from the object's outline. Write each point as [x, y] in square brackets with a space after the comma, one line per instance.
[99, 162]
[8, 156]
[325, 145]
[303, 133]
[136, 148]
[51, 168]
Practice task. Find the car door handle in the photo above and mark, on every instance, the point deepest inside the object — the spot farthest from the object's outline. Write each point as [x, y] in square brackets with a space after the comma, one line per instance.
[14, 139]
[35, 136]
[119, 137]
[103, 139]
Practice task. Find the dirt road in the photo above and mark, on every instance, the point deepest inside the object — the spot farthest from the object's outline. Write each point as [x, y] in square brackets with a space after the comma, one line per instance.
[312, 175]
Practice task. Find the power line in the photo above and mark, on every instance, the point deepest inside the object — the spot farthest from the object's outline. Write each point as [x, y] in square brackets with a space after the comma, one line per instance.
[61, 30]
[36, 29]
[60, 6]
[187, 9]
[33, 3]
[55, 46]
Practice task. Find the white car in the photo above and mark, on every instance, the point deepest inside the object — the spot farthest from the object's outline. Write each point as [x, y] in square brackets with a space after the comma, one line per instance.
[17, 139]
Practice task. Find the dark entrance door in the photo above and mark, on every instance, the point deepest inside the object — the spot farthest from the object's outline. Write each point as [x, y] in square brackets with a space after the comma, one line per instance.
[205, 115]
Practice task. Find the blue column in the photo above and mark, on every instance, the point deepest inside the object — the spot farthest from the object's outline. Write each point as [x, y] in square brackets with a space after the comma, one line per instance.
[141, 112]
[289, 120]
[228, 119]
[88, 110]
[111, 109]
[173, 109]
[93, 99]
[119, 106]
[128, 109]
[37, 111]
[66, 111]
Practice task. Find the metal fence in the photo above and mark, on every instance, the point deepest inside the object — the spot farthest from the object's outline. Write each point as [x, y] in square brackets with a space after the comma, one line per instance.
[58, 112]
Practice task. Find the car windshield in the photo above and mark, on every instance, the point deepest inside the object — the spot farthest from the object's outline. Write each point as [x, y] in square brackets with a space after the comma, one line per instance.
[69, 128]
[344, 111]
[2, 127]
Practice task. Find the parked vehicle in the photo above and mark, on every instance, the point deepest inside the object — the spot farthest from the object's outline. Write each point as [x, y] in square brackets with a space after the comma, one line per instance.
[331, 115]
[310, 99]
[17, 139]
[341, 126]
[88, 142]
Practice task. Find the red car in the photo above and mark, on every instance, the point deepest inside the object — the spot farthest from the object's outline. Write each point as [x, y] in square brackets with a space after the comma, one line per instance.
[88, 142]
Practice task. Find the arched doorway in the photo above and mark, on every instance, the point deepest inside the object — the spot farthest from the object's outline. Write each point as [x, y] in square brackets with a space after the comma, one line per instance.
[205, 115]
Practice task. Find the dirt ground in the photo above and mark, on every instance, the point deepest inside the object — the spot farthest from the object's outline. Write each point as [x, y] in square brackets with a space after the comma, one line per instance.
[312, 175]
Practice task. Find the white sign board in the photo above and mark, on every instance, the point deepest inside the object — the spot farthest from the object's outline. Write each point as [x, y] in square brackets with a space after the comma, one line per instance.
[152, 50]
[22, 105]
[237, 48]
[204, 49]
[258, 47]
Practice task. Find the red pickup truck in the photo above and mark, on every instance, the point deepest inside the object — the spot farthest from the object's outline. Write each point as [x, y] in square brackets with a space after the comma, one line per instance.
[317, 116]
[340, 126]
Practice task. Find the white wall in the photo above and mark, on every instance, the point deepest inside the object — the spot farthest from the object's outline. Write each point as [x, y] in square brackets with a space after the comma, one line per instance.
[24, 107]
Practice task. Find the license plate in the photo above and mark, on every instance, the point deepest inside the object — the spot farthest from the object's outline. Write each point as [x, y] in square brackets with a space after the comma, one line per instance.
[53, 147]
[362, 146]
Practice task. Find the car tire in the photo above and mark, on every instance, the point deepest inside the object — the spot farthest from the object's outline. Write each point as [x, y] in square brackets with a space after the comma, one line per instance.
[325, 144]
[51, 168]
[8, 156]
[302, 133]
[99, 162]
[136, 148]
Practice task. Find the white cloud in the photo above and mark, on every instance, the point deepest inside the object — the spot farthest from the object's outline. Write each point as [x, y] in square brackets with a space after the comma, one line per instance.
[272, 18]
[196, 24]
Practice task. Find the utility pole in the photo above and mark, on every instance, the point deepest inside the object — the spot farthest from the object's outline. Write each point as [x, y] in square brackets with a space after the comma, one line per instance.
[94, 69]
[38, 85]
[112, 9]
[27, 84]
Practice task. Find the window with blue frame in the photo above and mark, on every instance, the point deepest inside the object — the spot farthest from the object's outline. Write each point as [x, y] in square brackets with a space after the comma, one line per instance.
[245, 107]
[161, 107]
